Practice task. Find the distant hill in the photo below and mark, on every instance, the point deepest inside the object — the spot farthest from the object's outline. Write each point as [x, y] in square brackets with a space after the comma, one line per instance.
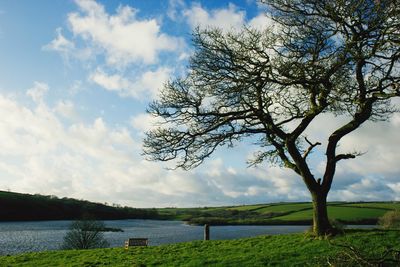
[23, 207]
[289, 213]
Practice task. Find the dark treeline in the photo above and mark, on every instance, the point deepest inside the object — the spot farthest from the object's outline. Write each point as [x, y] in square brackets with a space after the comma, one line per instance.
[23, 207]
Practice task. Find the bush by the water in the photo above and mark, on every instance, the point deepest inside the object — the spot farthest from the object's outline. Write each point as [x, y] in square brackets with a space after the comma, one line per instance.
[390, 220]
[85, 234]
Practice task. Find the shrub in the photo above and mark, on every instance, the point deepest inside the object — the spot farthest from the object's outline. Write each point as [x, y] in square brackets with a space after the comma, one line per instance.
[390, 219]
[85, 234]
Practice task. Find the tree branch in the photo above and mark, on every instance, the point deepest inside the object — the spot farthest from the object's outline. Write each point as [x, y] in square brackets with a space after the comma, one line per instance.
[308, 151]
[344, 156]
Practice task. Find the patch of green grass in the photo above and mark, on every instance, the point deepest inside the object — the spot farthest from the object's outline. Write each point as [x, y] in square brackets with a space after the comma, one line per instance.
[286, 207]
[277, 250]
[379, 205]
[349, 214]
[250, 207]
[343, 213]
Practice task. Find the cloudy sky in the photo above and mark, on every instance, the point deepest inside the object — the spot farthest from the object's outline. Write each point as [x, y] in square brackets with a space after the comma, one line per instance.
[75, 80]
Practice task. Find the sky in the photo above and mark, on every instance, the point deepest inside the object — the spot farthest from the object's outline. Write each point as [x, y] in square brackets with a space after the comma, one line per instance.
[77, 76]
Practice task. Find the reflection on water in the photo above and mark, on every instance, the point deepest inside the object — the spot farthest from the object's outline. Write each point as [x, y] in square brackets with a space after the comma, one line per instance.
[17, 237]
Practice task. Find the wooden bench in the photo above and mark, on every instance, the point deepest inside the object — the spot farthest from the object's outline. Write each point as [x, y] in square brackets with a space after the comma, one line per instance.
[134, 242]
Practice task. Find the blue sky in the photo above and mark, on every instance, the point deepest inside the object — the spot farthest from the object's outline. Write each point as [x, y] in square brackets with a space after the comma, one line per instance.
[76, 78]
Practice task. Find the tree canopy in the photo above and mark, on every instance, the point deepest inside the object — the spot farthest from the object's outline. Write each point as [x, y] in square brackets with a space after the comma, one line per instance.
[340, 57]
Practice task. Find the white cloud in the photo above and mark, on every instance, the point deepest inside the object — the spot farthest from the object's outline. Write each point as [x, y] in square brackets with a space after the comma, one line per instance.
[173, 8]
[366, 189]
[262, 21]
[38, 91]
[396, 189]
[110, 82]
[224, 18]
[65, 47]
[373, 175]
[131, 49]
[75, 87]
[60, 43]
[123, 37]
[66, 109]
[379, 143]
[376, 139]
[144, 122]
[148, 84]
[154, 80]
[39, 153]
[230, 18]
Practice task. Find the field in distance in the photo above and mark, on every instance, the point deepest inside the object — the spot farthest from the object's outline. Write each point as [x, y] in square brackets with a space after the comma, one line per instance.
[19, 207]
[281, 213]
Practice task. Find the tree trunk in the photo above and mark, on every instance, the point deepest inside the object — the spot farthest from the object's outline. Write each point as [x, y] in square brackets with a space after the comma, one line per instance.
[321, 224]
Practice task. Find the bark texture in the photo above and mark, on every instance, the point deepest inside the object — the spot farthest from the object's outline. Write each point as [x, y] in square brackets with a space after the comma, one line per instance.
[321, 224]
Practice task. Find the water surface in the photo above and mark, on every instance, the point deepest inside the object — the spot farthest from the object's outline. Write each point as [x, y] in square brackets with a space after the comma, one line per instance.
[18, 237]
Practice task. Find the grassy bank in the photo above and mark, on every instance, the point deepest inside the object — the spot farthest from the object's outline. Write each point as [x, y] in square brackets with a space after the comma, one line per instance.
[279, 250]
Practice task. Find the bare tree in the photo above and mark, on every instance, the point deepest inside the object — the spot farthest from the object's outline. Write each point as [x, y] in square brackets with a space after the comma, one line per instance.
[85, 234]
[339, 57]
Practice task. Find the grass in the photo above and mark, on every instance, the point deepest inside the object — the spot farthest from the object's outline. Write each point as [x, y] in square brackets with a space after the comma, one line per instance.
[280, 213]
[278, 250]
[286, 207]
[339, 213]
[379, 205]
[249, 207]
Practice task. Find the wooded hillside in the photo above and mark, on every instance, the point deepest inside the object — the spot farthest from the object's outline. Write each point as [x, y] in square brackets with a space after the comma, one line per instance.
[22, 207]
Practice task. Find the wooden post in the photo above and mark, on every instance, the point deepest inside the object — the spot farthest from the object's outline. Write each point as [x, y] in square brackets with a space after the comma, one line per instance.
[206, 232]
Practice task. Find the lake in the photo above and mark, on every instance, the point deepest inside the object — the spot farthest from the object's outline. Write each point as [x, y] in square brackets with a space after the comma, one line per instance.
[18, 237]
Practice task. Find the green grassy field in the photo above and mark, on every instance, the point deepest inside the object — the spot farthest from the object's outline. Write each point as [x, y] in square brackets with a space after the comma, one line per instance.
[380, 205]
[285, 207]
[281, 213]
[278, 250]
[249, 207]
[338, 213]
